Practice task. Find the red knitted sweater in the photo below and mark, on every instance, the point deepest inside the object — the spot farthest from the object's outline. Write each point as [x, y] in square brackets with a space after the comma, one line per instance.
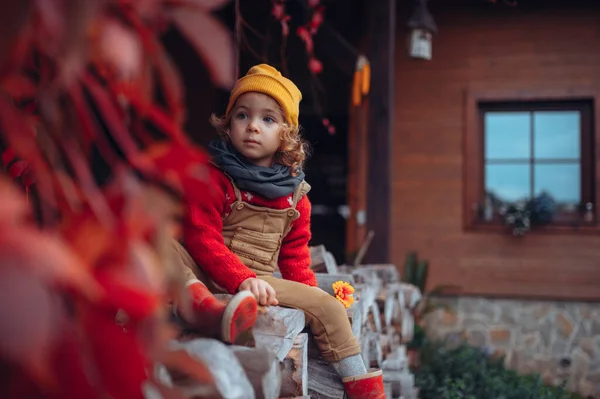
[203, 240]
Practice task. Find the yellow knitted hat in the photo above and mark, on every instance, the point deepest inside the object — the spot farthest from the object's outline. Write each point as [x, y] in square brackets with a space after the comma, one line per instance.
[265, 79]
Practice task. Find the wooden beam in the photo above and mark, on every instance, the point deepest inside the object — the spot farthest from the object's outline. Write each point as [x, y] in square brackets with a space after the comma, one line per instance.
[381, 19]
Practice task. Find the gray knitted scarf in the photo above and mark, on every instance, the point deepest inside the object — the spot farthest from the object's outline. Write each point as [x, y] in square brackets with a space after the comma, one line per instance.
[269, 182]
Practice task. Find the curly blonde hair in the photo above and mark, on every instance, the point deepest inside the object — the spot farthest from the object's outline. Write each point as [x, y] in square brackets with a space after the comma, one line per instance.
[293, 150]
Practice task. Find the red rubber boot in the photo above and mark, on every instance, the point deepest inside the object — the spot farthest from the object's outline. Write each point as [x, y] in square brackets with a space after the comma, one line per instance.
[217, 319]
[366, 386]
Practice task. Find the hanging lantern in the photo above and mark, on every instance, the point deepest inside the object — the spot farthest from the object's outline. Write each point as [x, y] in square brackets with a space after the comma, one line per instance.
[422, 28]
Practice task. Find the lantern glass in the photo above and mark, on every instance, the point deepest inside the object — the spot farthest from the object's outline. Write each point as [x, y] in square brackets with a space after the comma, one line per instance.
[420, 44]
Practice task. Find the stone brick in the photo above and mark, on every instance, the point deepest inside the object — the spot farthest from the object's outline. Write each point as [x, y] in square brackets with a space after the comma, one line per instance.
[511, 360]
[531, 341]
[508, 314]
[449, 319]
[500, 336]
[548, 377]
[547, 333]
[594, 377]
[560, 348]
[544, 362]
[525, 364]
[468, 305]
[581, 363]
[595, 329]
[588, 346]
[527, 322]
[477, 338]
[586, 388]
[565, 324]
[499, 354]
[541, 311]
[475, 321]
[586, 311]
[490, 311]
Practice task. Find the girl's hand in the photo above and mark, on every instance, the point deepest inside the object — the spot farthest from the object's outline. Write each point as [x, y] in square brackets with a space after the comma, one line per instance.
[264, 293]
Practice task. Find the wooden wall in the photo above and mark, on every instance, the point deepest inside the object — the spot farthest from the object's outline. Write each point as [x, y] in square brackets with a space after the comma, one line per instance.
[489, 48]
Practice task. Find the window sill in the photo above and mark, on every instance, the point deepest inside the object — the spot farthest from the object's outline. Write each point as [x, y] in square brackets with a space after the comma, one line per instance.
[582, 229]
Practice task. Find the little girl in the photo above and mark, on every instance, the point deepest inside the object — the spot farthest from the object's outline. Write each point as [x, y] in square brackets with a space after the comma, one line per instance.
[256, 219]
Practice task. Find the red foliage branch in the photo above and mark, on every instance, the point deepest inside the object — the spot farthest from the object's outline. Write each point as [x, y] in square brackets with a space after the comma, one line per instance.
[78, 88]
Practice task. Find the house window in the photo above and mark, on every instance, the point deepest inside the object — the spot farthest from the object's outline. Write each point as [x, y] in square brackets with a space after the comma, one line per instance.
[540, 151]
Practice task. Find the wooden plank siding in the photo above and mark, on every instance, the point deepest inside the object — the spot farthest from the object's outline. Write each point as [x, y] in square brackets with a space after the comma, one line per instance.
[483, 49]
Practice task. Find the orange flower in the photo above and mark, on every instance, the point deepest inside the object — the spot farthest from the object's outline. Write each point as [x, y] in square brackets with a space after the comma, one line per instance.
[343, 292]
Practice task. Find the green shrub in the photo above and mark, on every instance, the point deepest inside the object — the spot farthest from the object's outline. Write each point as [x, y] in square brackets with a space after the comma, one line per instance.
[469, 373]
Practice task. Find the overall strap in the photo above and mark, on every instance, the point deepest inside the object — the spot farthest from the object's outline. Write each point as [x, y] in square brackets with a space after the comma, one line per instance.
[302, 189]
[236, 190]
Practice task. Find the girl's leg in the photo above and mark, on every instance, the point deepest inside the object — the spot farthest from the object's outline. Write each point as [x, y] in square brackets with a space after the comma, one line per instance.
[331, 329]
[325, 315]
[201, 310]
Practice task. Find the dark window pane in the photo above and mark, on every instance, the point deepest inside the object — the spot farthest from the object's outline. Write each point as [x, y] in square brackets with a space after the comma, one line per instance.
[507, 135]
[561, 181]
[557, 134]
[508, 182]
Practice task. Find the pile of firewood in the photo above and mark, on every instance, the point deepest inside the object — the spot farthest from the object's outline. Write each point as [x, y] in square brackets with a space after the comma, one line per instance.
[381, 319]
[285, 362]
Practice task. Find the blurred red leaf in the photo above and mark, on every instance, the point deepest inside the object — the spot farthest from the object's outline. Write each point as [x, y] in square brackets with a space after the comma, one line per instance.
[8, 156]
[278, 11]
[212, 41]
[172, 84]
[17, 168]
[315, 66]
[163, 121]
[119, 360]
[20, 136]
[13, 206]
[71, 367]
[18, 86]
[31, 316]
[183, 165]
[111, 116]
[137, 302]
[51, 260]
[90, 191]
[120, 48]
[13, 15]
[205, 4]
[306, 37]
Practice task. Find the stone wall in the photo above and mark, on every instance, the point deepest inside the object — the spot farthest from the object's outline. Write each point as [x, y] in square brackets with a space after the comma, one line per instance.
[559, 340]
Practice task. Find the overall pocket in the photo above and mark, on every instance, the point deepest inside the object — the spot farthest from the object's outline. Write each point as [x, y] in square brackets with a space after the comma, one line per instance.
[260, 247]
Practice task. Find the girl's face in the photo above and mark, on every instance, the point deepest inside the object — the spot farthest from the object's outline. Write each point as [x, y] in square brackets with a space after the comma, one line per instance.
[255, 124]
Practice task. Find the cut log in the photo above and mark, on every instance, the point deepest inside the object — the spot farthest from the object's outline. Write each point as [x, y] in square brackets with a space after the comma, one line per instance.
[392, 308]
[375, 317]
[387, 387]
[375, 352]
[368, 277]
[365, 295]
[276, 328]
[322, 261]
[390, 342]
[396, 361]
[387, 273]
[356, 317]
[370, 345]
[294, 381]
[324, 381]
[262, 369]
[402, 382]
[325, 281]
[230, 378]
